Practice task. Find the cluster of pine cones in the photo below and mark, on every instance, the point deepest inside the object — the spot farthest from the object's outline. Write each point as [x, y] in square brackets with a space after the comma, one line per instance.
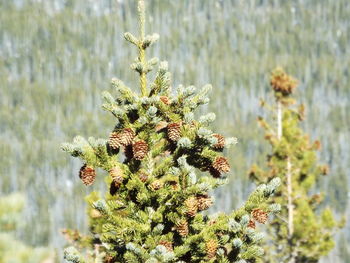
[220, 164]
[282, 82]
[138, 149]
[126, 138]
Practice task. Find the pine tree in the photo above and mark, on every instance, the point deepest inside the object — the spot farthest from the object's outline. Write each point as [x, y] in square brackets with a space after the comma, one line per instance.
[152, 212]
[303, 231]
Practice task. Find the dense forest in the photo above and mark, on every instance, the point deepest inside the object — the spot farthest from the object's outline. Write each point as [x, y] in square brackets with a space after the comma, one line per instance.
[57, 57]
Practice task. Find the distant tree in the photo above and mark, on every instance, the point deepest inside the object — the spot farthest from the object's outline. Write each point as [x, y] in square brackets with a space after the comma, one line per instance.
[303, 232]
[11, 249]
[152, 212]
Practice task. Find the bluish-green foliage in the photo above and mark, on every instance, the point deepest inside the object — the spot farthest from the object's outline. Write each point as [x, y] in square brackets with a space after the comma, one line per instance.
[57, 56]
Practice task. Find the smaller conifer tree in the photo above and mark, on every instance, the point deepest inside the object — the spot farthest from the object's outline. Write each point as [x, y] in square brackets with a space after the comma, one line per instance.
[302, 232]
[153, 211]
[12, 249]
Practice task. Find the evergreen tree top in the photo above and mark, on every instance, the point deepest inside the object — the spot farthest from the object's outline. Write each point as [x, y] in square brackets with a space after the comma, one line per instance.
[162, 163]
[304, 230]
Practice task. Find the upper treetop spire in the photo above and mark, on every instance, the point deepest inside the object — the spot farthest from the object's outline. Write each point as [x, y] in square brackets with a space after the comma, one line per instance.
[141, 65]
[141, 11]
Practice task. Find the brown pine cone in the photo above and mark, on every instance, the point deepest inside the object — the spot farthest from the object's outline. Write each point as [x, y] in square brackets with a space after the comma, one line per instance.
[140, 149]
[165, 100]
[317, 145]
[127, 136]
[221, 164]
[191, 206]
[324, 169]
[117, 175]
[221, 141]
[156, 185]
[87, 174]
[259, 215]
[281, 82]
[143, 177]
[123, 138]
[167, 244]
[114, 140]
[174, 131]
[182, 228]
[109, 259]
[212, 222]
[161, 125]
[211, 246]
[94, 213]
[204, 202]
[251, 224]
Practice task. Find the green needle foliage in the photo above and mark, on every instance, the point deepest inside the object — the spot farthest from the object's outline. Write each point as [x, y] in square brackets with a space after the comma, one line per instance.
[12, 250]
[152, 212]
[303, 232]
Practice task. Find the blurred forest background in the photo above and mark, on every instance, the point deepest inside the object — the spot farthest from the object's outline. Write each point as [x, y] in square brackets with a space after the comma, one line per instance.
[57, 56]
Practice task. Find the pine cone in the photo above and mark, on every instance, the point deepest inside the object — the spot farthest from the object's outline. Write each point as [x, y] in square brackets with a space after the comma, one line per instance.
[114, 140]
[281, 82]
[211, 246]
[174, 131]
[204, 202]
[140, 149]
[156, 185]
[165, 100]
[260, 215]
[123, 138]
[127, 136]
[251, 224]
[191, 206]
[182, 228]
[221, 141]
[117, 175]
[109, 259]
[315, 199]
[212, 222]
[161, 125]
[317, 145]
[167, 244]
[324, 169]
[221, 165]
[94, 213]
[87, 174]
[143, 177]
